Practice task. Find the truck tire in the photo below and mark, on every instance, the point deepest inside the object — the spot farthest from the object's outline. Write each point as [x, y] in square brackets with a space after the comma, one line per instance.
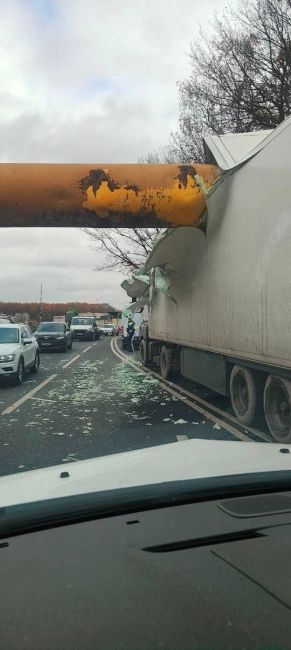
[277, 407]
[165, 362]
[246, 395]
[144, 353]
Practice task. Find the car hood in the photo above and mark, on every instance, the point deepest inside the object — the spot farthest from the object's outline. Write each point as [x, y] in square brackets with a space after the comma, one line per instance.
[178, 461]
[8, 348]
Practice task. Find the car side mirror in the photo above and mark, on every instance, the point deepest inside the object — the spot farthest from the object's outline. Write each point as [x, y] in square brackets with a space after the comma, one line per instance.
[26, 341]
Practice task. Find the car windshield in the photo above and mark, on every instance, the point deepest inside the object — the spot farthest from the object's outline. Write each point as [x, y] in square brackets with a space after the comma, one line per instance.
[50, 327]
[9, 335]
[82, 321]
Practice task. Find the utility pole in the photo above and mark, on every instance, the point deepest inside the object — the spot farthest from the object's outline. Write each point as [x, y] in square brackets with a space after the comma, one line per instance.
[40, 306]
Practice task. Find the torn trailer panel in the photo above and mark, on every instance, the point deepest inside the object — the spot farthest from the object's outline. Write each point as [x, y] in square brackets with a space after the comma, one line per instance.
[224, 320]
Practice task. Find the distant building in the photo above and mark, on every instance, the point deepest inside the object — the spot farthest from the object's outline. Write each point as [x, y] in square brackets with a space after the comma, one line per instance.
[109, 318]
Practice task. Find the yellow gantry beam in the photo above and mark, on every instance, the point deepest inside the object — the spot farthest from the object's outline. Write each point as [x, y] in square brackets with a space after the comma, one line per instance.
[103, 195]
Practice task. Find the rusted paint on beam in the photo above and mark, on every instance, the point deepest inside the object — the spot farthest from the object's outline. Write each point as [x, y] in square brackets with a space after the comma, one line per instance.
[103, 195]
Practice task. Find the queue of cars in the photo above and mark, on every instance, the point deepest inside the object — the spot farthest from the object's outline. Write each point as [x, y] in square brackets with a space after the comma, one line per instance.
[20, 348]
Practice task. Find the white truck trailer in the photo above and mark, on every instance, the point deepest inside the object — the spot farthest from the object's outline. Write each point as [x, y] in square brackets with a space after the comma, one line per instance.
[224, 316]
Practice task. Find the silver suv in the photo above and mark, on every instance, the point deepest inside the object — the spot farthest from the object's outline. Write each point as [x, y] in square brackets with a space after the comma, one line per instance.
[18, 352]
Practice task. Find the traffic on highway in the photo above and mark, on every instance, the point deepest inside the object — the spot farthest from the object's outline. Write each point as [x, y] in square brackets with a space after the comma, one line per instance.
[78, 399]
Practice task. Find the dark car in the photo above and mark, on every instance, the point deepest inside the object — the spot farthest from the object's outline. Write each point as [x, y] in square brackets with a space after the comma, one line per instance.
[54, 335]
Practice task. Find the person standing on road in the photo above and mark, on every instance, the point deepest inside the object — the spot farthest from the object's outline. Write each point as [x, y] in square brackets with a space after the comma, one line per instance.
[130, 330]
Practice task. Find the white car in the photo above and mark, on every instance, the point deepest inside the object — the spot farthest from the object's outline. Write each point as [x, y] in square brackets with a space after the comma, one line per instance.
[18, 352]
[107, 330]
[84, 327]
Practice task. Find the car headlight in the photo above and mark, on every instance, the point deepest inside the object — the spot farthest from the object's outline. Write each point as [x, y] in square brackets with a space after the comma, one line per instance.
[6, 357]
[60, 338]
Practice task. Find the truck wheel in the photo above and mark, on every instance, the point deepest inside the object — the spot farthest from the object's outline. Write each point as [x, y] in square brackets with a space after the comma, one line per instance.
[144, 353]
[165, 362]
[246, 395]
[277, 406]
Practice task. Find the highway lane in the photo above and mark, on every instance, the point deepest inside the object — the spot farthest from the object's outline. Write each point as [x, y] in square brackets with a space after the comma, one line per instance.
[89, 403]
[50, 363]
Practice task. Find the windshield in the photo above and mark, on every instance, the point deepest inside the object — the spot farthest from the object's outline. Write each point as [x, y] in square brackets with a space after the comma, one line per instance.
[9, 335]
[50, 327]
[158, 281]
[82, 321]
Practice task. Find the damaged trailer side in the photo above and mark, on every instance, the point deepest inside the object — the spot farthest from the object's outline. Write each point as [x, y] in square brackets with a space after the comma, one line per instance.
[223, 316]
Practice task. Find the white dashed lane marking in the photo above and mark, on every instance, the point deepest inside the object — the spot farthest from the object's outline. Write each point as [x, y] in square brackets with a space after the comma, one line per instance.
[86, 349]
[27, 396]
[71, 361]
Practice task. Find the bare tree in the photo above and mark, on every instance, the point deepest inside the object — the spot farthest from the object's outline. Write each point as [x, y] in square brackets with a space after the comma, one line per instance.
[125, 248]
[153, 158]
[240, 81]
[163, 155]
[240, 76]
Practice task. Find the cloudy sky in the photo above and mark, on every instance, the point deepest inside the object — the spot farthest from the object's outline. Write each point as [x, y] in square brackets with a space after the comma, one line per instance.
[90, 81]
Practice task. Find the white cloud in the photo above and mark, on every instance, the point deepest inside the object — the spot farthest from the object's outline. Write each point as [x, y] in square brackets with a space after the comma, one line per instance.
[92, 81]
[62, 260]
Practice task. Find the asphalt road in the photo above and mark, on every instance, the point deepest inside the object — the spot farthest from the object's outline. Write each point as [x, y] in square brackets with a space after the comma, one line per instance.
[89, 403]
